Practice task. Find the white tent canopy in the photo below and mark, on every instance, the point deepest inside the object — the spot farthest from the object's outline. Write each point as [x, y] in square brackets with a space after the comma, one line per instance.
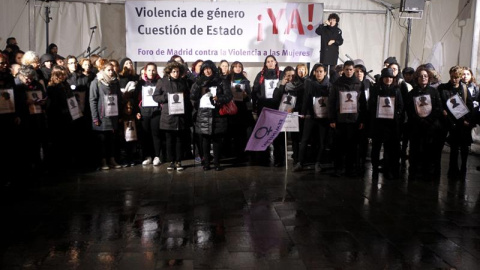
[372, 30]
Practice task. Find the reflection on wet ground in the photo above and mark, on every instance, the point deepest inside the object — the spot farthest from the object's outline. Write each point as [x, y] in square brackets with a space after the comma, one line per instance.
[240, 218]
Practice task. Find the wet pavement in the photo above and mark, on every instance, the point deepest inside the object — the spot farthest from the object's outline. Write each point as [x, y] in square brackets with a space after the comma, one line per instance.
[243, 217]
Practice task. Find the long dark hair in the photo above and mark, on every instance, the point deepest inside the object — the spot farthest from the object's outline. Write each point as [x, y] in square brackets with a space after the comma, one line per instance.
[264, 69]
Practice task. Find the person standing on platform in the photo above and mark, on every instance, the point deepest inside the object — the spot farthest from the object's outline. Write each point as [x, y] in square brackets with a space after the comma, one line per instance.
[331, 41]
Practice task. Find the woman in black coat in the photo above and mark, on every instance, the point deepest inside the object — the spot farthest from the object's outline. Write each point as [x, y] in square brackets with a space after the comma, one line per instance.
[208, 94]
[173, 89]
[331, 41]
[458, 123]
[241, 124]
[424, 110]
[149, 115]
[386, 108]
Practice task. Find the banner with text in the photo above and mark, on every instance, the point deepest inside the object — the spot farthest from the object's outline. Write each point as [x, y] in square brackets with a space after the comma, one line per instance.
[243, 31]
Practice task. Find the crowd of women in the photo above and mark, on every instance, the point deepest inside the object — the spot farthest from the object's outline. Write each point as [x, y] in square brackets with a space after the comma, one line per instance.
[60, 114]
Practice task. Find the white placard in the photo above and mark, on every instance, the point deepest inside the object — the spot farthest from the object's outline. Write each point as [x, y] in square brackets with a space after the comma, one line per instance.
[176, 104]
[111, 105]
[291, 123]
[147, 96]
[237, 91]
[423, 105]
[7, 101]
[130, 129]
[320, 107]
[288, 103]
[205, 101]
[34, 96]
[457, 107]
[213, 90]
[216, 30]
[74, 108]
[386, 107]
[348, 101]
[270, 86]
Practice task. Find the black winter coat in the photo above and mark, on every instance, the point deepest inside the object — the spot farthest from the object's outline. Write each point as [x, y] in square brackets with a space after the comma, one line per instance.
[209, 121]
[329, 53]
[347, 84]
[168, 85]
[429, 126]
[382, 128]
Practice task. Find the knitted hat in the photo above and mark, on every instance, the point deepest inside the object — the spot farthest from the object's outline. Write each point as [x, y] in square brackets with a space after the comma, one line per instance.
[408, 70]
[390, 60]
[122, 62]
[46, 58]
[387, 72]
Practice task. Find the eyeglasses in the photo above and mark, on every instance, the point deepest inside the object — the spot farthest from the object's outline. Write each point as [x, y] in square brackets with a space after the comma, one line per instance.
[3, 63]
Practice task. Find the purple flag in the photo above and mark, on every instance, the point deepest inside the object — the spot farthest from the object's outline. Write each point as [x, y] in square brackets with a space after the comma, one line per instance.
[268, 126]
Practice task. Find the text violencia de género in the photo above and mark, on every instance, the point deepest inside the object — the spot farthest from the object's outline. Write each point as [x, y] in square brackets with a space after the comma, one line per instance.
[195, 13]
[210, 30]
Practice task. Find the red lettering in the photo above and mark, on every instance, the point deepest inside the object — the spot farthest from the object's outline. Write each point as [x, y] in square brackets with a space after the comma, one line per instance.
[295, 16]
[275, 19]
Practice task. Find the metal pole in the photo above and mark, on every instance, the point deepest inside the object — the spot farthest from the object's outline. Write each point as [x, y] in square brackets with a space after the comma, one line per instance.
[409, 33]
[47, 21]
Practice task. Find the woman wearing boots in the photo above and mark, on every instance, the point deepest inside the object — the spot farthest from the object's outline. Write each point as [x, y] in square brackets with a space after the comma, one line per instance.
[208, 95]
[105, 97]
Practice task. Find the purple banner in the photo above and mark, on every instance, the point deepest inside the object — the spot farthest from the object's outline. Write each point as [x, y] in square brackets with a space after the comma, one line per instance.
[268, 126]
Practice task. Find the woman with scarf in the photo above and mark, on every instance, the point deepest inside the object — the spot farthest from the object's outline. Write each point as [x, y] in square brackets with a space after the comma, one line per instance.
[208, 95]
[262, 95]
[173, 94]
[105, 98]
[241, 124]
[149, 116]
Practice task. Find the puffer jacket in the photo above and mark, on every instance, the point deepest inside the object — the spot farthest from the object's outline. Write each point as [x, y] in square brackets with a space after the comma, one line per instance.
[209, 121]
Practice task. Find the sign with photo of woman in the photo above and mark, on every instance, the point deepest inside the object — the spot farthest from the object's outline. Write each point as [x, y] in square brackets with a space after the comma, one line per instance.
[386, 107]
[147, 97]
[423, 105]
[348, 102]
[457, 107]
[176, 104]
[7, 101]
[34, 96]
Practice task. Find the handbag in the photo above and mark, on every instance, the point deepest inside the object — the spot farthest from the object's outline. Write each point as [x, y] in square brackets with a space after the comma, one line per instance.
[228, 108]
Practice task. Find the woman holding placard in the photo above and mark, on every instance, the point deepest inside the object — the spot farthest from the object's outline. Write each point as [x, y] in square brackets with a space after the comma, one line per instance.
[173, 94]
[105, 97]
[457, 110]
[262, 94]
[315, 111]
[149, 115]
[424, 110]
[208, 94]
[36, 121]
[241, 123]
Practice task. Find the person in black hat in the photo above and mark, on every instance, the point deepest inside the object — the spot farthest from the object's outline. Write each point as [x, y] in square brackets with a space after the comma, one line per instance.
[408, 74]
[331, 40]
[385, 123]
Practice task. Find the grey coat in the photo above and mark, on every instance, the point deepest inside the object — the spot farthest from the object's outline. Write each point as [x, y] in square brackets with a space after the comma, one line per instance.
[98, 91]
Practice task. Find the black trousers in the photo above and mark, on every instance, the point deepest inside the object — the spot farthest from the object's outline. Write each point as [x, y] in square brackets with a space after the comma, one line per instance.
[174, 145]
[345, 146]
[317, 130]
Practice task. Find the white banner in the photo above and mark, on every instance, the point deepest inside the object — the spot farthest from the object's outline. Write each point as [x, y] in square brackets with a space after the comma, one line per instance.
[243, 31]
